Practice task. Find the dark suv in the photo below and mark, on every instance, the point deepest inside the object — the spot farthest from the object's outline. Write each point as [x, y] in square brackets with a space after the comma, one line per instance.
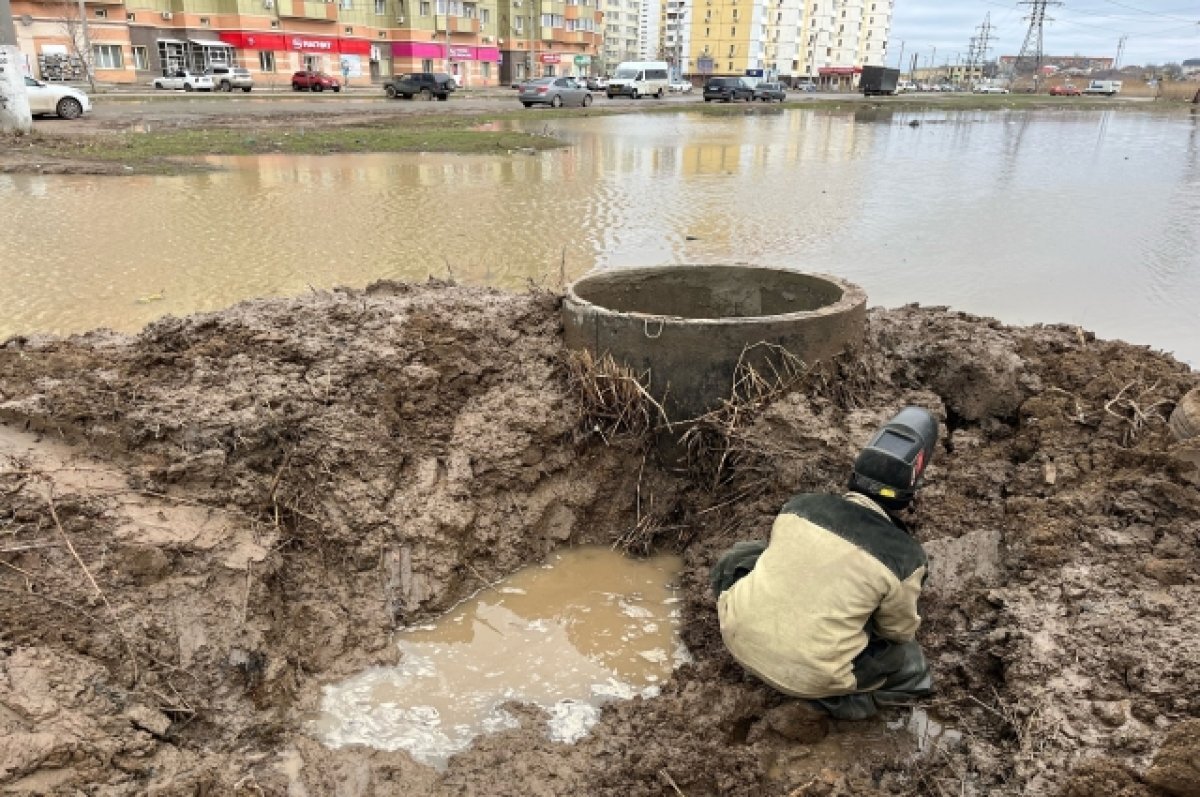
[727, 89]
[425, 85]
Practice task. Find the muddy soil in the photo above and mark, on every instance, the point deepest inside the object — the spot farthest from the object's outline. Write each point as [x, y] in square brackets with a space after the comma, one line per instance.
[203, 523]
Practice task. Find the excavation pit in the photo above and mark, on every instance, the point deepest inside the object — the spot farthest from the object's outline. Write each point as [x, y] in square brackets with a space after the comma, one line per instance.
[588, 627]
[688, 327]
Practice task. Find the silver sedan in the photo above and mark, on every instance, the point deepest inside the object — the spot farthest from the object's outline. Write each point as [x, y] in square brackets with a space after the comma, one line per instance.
[555, 92]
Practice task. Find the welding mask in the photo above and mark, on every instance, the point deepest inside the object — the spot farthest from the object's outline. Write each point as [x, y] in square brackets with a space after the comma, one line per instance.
[888, 470]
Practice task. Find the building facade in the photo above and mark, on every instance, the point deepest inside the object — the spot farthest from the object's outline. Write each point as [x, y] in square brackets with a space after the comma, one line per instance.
[820, 41]
[482, 43]
[622, 26]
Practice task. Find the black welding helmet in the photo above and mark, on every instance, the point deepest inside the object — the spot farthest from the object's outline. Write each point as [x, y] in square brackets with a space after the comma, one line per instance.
[888, 470]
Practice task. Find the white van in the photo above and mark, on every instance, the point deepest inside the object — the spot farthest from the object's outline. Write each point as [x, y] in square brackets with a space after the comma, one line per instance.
[639, 79]
[1106, 87]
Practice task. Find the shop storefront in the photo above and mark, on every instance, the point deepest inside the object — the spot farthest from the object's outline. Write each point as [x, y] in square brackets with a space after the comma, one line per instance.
[838, 78]
[472, 67]
[283, 53]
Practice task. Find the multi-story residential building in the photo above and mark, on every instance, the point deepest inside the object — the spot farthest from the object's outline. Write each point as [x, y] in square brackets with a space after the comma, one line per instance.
[482, 42]
[822, 41]
[674, 35]
[649, 20]
[622, 26]
[549, 37]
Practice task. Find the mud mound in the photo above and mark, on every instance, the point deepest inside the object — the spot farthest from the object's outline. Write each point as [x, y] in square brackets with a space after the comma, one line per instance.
[202, 523]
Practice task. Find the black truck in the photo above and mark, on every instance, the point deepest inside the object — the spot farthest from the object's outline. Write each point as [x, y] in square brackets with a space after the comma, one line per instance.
[876, 80]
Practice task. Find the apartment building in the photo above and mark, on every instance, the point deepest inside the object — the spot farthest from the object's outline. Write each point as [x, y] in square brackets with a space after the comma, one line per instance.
[674, 35]
[822, 41]
[622, 39]
[482, 42]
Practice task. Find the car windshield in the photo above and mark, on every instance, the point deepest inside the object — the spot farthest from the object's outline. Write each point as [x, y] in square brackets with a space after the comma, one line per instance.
[627, 74]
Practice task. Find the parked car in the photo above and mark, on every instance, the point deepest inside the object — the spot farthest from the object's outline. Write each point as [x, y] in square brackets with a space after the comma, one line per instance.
[905, 86]
[1108, 88]
[806, 87]
[990, 90]
[727, 89]
[182, 79]
[770, 91]
[314, 81]
[64, 101]
[597, 84]
[555, 92]
[425, 85]
[1065, 90]
[228, 78]
[681, 86]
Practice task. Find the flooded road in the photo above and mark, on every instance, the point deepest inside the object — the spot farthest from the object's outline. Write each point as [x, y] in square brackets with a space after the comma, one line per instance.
[1053, 215]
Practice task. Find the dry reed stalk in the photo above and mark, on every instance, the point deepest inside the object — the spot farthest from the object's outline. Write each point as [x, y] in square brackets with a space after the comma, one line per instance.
[1132, 411]
[764, 372]
[615, 399]
[96, 587]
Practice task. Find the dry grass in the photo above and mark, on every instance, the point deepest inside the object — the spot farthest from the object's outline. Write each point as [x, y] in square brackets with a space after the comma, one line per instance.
[716, 443]
[615, 399]
[1140, 408]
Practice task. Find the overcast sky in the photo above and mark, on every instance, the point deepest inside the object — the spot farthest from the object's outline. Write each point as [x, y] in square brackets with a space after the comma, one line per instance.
[1159, 31]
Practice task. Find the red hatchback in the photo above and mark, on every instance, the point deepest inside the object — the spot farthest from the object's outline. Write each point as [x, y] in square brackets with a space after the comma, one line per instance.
[1065, 90]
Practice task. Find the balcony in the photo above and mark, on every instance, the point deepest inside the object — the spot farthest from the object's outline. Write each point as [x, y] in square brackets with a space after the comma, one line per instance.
[464, 25]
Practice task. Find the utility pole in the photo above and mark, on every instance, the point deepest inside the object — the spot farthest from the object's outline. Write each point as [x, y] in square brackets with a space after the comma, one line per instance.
[900, 59]
[14, 100]
[1033, 39]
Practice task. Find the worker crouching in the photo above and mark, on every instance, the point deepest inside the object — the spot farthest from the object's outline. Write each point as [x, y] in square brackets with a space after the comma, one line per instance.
[827, 610]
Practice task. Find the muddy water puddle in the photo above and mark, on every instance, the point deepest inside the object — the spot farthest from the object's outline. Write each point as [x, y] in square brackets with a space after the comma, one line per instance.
[588, 627]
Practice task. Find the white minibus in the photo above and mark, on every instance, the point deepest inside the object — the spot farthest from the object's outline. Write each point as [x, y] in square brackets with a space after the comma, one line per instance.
[639, 79]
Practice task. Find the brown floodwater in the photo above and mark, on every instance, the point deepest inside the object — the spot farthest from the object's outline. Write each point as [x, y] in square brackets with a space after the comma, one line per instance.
[1085, 218]
[588, 627]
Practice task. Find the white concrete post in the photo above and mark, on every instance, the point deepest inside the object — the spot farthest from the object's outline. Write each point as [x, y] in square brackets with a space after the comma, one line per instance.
[14, 101]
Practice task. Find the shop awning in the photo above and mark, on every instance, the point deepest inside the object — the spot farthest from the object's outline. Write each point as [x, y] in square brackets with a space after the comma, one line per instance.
[208, 43]
[170, 41]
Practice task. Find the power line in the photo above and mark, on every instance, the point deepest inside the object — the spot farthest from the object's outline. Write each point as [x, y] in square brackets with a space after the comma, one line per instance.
[1144, 11]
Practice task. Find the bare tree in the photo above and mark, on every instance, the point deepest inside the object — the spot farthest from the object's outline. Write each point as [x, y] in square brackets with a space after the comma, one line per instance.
[72, 18]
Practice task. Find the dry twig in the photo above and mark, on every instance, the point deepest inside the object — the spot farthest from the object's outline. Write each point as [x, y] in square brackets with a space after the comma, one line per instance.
[96, 587]
[1132, 410]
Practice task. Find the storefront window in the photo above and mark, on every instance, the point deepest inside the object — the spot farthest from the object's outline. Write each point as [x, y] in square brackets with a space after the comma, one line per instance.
[427, 65]
[141, 60]
[266, 61]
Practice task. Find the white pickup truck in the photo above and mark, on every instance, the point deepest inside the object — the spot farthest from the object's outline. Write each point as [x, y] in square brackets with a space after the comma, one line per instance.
[1105, 87]
[182, 79]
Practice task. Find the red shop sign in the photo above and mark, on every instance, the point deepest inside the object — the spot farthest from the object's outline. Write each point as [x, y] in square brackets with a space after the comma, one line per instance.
[550, 58]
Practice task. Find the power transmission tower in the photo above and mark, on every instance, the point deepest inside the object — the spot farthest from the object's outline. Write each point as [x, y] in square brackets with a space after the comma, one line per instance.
[1032, 48]
[980, 45]
[1120, 49]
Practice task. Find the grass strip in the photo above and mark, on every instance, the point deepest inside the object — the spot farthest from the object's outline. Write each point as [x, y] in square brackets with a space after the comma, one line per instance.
[161, 151]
